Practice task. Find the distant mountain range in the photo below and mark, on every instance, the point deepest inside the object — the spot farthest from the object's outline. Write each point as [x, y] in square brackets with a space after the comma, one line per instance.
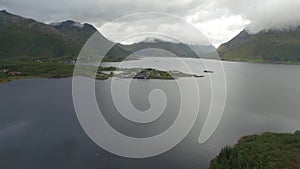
[276, 46]
[23, 37]
[178, 49]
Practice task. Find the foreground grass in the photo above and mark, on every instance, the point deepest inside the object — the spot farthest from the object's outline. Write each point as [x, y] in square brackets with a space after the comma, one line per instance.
[266, 151]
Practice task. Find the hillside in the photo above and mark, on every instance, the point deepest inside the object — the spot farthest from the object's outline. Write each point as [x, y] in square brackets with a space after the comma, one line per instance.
[178, 49]
[27, 38]
[268, 151]
[266, 46]
[23, 38]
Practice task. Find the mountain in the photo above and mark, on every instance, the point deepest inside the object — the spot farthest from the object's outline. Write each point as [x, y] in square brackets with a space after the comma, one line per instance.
[277, 46]
[23, 37]
[178, 49]
[26, 38]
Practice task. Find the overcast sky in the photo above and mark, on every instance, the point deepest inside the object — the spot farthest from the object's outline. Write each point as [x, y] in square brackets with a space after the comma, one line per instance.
[218, 20]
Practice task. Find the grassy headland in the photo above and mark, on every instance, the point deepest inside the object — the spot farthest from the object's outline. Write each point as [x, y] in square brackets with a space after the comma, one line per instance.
[266, 151]
[17, 69]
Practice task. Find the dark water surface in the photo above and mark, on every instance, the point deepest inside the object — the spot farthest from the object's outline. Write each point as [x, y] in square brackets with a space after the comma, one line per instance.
[39, 127]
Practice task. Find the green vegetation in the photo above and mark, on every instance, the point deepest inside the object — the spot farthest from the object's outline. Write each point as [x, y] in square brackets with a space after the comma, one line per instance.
[27, 38]
[149, 73]
[19, 69]
[265, 46]
[103, 76]
[31, 49]
[22, 68]
[266, 151]
[158, 74]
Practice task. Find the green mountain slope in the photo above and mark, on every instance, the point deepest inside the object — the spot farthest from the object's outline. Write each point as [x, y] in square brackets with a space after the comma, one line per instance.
[27, 37]
[265, 46]
[21, 37]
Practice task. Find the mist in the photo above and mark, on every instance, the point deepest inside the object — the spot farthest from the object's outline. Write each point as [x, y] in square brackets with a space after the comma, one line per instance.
[217, 20]
[267, 14]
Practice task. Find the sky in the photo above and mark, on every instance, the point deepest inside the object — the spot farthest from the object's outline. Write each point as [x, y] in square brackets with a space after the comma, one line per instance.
[217, 20]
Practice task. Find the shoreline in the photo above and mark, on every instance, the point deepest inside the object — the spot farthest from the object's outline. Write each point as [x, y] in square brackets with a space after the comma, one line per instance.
[260, 62]
[70, 74]
[105, 77]
[266, 150]
[4, 81]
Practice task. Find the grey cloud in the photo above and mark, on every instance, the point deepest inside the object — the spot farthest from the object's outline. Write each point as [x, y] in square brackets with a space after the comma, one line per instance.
[229, 16]
[96, 11]
[138, 27]
[266, 14]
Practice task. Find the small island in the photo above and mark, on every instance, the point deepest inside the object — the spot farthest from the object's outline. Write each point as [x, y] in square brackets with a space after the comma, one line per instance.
[268, 151]
[104, 73]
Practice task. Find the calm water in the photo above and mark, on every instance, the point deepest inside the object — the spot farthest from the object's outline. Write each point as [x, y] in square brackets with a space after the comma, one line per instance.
[39, 128]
